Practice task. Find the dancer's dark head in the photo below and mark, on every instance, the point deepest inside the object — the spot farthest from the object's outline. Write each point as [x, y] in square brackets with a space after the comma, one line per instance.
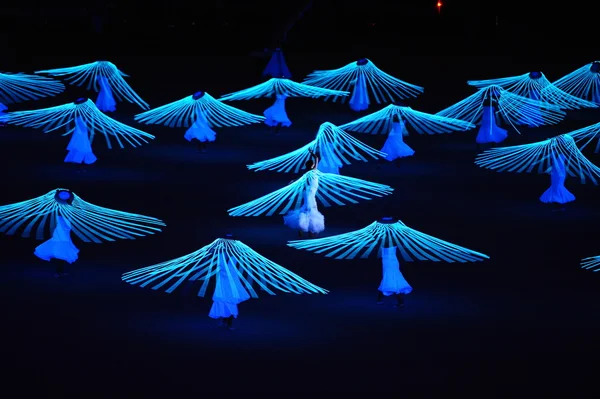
[396, 118]
[362, 61]
[198, 95]
[64, 196]
[535, 75]
[595, 67]
[80, 100]
[229, 236]
[399, 103]
[387, 220]
[310, 164]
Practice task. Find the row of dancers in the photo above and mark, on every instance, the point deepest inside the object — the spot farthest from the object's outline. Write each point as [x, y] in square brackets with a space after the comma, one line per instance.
[237, 270]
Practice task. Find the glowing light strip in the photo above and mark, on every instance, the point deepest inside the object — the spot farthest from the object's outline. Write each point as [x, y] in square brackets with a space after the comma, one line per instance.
[18, 87]
[281, 86]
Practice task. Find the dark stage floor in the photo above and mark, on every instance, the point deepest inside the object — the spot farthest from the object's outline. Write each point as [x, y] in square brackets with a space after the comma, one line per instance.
[526, 318]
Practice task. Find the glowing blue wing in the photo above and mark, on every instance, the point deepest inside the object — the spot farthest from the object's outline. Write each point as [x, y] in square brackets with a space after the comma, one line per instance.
[18, 87]
[412, 244]
[421, 122]
[592, 263]
[332, 143]
[538, 157]
[383, 87]
[251, 268]
[87, 76]
[281, 86]
[89, 222]
[333, 190]
[584, 136]
[185, 112]
[53, 118]
[583, 83]
[512, 108]
[537, 88]
[277, 67]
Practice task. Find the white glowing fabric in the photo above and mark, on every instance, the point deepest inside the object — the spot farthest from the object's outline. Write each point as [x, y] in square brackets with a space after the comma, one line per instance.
[252, 268]
[538, 157]
[412, 244]
[333, 190]
[331, 142]
[89, 222]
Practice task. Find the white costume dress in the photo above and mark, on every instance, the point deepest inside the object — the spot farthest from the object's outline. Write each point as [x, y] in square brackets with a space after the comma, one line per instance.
[60, 245]
[360, 96]
[307, 218]
[557, 192]
[80, 148]
[275, 114]
[393, 281]
[229, 291]
[394, 146]
[200, 130]
[105, 101]
[489, 132]
[329, 162]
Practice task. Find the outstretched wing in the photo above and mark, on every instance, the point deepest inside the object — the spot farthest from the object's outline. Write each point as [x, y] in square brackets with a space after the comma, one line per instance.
[412, 245]
[283, 86]
[18, 87]
[53, 118]
[251, 268]
[592, 263]
[538, 157]
[332, 190]
[331, 142]
[87, 75]
[582, 83]
[91, 223]
[185, 112]
[423, 123]
[584, 136]
[382, 86]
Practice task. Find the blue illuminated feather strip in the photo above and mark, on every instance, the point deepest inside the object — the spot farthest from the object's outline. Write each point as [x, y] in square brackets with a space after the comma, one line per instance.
[582, 83]
[512, 108]
[251, 267]
[412, 244]
[540, 88]
[18, 87]
[331, 142]
[89, 222]
[592, 263]
[333, 190]
[183, 113]
[50, 119]
[584, 136]
[421, 122]
[383, 87]
[87, 76]
[538, 157]
[281, 86]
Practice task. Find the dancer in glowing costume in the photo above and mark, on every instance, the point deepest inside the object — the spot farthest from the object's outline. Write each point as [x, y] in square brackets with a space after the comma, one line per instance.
[80, 148]
[59, 247]
[18, 87]
[583, 83]
[334, 146]
[558, 155]
[277, 66]
[89, 222]
[81, 114]
[396, 119]
[200, 112]
[280, 88]
[102, 77]
[386, 238]
[237, 269]
[490, 102]
[536, 86]
[307, 218]
[367, 80]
